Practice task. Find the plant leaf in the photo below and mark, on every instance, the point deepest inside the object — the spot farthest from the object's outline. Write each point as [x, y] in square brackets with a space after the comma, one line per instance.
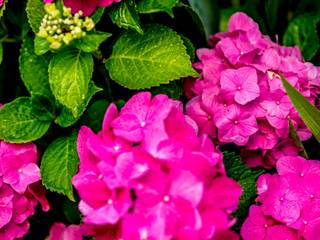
[35, 78]
[125, 15]
[91, 41]
[70, 72]
[152, 6]
[309, 113]
[59, 164]
[302, 31]
[142, 61]
[35, 12]
[237, 170]
[41, 46]
[19, 123]
[66, 118]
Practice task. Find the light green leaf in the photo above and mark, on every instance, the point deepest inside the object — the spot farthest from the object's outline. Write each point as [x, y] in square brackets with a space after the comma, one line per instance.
[66, 118]
[309, 113]
[41, 46]
[302, 31]
[35, 78]
[59, 164]
[97, 15]
[142, 61]
[152, 6]
[70, 72]
[207, 12]
[126, 16]
[19, 123]
[246, 177]
[91, 41]
[35, 12]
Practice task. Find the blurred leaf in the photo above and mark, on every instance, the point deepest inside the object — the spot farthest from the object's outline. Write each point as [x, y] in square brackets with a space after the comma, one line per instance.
[152, 6]
[156, 57]
[97, 15]
[302, 31]
[225, 14]
[91, 41]
[246, 177]
[59, 164]
[71, 211]
[309, 113]
[19, 123]
[172, 89]
[125, 15]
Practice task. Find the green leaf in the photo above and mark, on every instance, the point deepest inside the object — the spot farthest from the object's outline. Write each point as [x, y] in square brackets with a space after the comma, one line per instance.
[97, 15]
[125, 15]
[3, 7]
[91, 41]
[246, 177]
[142, 61]
[189, 46]
[309, 113]
[41, 46]
[172, 89]
[35, 12]
[59, 164]
[43, 109]
[302, 31]
[94, 115]
[152, 6]
[70, 72]
[295, 137]
[1, 53]
[207, 12]
[35, 78]
[19, 123]
[66, 117]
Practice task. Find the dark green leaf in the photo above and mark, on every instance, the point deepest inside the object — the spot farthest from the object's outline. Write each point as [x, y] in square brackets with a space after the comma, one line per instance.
[152, 6]
[19, 123]
[91, 41]
[59, 164]
[309, 113]
[43, 108]
[126, 16]
[97, 15]
[156, 57]
[172, 89]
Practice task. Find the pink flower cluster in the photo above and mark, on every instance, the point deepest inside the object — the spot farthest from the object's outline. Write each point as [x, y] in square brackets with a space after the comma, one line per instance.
[239, 97]
[148, 175]
[289, 202]
[59, 231]
[20, 189]
[87, 7]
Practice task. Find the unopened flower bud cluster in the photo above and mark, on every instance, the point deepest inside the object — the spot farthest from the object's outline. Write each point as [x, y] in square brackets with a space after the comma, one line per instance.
[62, 28]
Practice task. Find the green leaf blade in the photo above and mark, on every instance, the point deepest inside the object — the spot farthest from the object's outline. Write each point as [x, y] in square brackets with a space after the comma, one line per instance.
[91, 41]
[70, 72]
[35, 12]
[19, 123]
[309, 113]
[59, 164]
[153, 6]
[143, 61]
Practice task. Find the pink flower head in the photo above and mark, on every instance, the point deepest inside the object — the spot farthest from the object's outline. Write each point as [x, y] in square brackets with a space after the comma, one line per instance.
[242, 71]
[20, 189]
[289, 198]
[149, 175]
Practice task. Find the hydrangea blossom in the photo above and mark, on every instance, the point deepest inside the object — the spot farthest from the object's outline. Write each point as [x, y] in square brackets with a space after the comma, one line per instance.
[87, 7]
[59, 231]
[149, 175]
[289, 202]
[239, 97]
[20, 188]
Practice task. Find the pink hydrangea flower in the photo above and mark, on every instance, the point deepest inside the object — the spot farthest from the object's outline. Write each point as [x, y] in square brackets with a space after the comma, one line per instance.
[87, 7]
[20, 189]
[149, 175]
[289, 200]
[242, 71]
[59, 231]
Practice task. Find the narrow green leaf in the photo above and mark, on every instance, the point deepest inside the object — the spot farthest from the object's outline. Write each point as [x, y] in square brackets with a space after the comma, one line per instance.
[237, 170]
[309, 113]
[70, 71]
[1, 53]
[19, 123]
[59, 164]
[35, 13]
[66, 118]
[97, 15]
[126, 16]
[152, 6]
[302, 32]
[91, 41]
[295, 137]
[156, 57]
[35, 78]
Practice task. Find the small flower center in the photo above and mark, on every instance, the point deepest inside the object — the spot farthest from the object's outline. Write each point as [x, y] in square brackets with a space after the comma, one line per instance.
[100, 176]
[239, 88]
[301, 174]
[110, 201]
[311, 196]
[116, 148]
[278, 102]
[144, 234]
[166, 198]
[265, 226]
[143, 124]
[20, 170]
[236, 122]
[281, 199]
